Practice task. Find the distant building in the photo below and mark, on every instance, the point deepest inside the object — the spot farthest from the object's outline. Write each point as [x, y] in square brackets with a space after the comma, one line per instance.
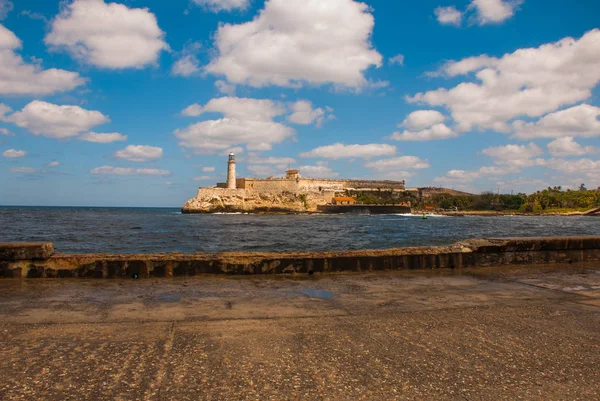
[343, 201]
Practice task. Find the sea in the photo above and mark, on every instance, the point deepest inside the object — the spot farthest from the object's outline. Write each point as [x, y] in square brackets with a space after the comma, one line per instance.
[152, 230]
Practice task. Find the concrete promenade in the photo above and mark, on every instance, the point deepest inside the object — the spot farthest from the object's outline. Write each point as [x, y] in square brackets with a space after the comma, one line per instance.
[529, 332]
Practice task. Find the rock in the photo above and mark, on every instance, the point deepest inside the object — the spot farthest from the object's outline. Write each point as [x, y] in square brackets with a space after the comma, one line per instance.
[215, 200]
[26, 251]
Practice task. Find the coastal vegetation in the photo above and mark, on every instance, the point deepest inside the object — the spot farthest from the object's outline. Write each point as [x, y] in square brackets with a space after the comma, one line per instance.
[550, 200]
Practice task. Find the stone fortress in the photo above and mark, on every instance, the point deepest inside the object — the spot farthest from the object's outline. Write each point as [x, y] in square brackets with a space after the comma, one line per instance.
[292, 193]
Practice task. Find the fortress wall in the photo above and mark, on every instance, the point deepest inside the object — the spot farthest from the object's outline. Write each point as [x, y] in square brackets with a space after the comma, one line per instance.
[207, 193]
[273, 186]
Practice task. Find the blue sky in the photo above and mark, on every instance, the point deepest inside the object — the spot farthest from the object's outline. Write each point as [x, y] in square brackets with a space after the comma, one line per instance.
[136, 103]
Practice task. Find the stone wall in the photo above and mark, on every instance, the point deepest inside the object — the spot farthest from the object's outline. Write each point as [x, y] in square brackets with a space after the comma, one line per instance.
[469, 253]
[310, 184]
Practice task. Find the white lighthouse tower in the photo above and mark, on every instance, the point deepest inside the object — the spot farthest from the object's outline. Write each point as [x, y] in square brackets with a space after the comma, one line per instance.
[231, 172]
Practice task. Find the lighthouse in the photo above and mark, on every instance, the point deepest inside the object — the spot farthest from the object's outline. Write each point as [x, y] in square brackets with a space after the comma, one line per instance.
[231, 172]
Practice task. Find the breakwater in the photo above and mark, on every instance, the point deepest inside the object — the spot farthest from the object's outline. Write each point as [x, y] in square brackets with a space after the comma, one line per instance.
[38, 261]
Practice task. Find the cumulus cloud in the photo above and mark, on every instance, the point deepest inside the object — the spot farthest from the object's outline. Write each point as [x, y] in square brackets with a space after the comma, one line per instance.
[102, 138]
[188, 63]
[435, 132]
[139, 153]
[186, 66]
[397, 60]
[246, 122]
[529, 82]
[53, 121]
[319, 170]
[110, 170]
[107, 35]
[448, 16]
[342, 151]
[516, 155]
[268, 166]
[424, 125]
[208, 169]
[398, 163]
[5, 132]
[509, 159]
[290, 43]
[6, 6]
[20, 78]
[421, 119]
[566, 146]
[494, 11]
[53, 164]
[225, 88]
[304, 114]
[591, 168]
[579, 120]
[263, 170]
[14, 154]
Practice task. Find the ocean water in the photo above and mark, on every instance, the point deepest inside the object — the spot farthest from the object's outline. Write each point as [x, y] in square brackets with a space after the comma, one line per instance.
[139, 230]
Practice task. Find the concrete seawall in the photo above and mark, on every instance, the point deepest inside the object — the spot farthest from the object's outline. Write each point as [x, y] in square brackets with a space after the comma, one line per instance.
[469, 253]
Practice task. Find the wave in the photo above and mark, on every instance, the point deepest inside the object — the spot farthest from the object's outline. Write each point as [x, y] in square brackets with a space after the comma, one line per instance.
[420, 215]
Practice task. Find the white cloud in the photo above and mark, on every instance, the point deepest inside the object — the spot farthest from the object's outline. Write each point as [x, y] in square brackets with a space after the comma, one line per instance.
[255, 159]
[421, 119]
[397, 60]
[448, 16]
[109, 170]
[438, 131]
[515, 155]
[107, 35]
[139, 153]
[458, 176]
[579, 120]
[246, 122]
[341, 151]
[20, 78]
[14, 154]
[53, 121]
[319, 170]
[188, 63]
[588, 167]
[5, 132]
[290, 43]
[398, 163]
[208, 169]
[223, 5]
[494, 11]
[53, 164]
[566, 146]
[203, 178]
[529, 82]
[4, 110]
[6, 6]
[263, 170]
[225, 88]
[25, 170]
[303, 113]
[103, 138]
[186, 66]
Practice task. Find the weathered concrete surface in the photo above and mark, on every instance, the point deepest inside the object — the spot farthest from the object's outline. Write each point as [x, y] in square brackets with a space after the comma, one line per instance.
[481, 334]
[470, 253]
[26, 251]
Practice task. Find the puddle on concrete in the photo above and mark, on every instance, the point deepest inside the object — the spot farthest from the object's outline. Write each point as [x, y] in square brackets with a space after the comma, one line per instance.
[320, 294]
[167, 298]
